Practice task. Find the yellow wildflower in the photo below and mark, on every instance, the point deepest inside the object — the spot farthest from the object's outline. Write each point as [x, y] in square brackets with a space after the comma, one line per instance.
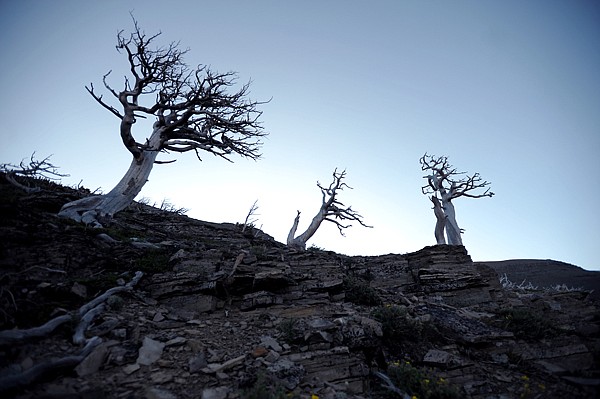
[313, 396]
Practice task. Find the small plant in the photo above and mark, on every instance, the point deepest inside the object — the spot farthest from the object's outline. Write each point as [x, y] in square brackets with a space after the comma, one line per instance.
[526, 324]
[250, 221]
[264, 388]
[287, 328]
[168, 206]
[260, 251]
[418, 384]
[359, 291]
[397, 324]
[153, 261]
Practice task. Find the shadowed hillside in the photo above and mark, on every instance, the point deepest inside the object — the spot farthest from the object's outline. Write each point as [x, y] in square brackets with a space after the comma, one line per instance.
[159, 305]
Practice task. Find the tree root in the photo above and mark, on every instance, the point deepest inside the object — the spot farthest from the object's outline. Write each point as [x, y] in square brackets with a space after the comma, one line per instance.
[84, 314]
[28, 377]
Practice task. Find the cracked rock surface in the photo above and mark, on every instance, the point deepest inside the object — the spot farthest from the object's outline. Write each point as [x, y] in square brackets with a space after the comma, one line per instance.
[220, 311]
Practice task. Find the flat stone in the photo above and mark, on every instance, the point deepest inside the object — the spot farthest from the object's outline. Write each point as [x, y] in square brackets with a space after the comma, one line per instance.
[92, 363]
[215, 393]
[161, 377]
[131, 368]
[150, 351]
[437, 357]
[197, 363]
[79, 289]
[270, 342]
[216, 368]
[157, 393]
[176, 341]
[321, 324]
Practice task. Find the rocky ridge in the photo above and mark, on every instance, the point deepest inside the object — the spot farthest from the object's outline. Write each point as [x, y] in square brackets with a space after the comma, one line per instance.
[220, 313]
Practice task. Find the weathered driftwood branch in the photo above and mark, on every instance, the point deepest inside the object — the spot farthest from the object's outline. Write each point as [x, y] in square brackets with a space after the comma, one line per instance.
[11, 337]
[332, 210]
[85, 315]
[26, 378]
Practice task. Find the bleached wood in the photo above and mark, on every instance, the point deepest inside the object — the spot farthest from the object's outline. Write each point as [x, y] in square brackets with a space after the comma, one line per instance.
[331, 210]
[444, 184]
[26, 378]
[195, 109]
[440, 224]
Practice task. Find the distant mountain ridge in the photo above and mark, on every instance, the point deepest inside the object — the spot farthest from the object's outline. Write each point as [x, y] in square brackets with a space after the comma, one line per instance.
[547, 273]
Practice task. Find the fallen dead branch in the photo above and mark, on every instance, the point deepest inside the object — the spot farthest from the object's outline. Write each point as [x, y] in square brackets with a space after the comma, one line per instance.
[28, 377]
[84, 314]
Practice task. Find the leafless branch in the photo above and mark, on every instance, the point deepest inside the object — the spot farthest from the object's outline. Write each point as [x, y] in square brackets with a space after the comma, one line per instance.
[195, 108]
[445, 178]
[336, 209]
[35, 168]
[332, 210]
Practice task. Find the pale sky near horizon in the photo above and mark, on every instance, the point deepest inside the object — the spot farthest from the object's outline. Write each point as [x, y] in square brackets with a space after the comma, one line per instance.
[509, 89]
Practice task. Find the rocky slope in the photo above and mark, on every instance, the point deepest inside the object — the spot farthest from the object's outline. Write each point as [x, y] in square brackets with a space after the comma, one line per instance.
[219, 313]
[547, 274]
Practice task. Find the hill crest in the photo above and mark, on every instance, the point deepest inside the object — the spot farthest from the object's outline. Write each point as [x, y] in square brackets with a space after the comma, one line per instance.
[221, 313]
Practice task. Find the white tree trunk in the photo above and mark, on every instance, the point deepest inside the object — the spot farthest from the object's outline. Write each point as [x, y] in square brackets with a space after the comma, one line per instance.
[300, 241]
[292, 233]
[92, 210]
[441, 221]
[452, 230]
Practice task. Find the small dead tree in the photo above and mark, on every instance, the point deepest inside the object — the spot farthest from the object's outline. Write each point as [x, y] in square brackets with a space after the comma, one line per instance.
[445, 183]
[332, 210]
[250, 221]
[195, 109]
[35, 168]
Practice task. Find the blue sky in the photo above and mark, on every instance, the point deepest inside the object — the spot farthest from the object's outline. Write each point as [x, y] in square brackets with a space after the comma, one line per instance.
[509, 89]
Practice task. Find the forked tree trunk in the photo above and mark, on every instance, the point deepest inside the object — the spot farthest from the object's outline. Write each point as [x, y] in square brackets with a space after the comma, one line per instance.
[441, 221]
[300, 241]
[93, 210]
[452, 230]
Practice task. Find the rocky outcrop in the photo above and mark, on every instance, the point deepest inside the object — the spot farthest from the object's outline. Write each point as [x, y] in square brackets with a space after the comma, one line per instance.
[221, 313]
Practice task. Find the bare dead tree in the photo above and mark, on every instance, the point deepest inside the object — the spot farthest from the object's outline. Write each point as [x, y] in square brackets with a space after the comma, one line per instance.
[41, 169]
[195, 109]
[445, 183]
[250, 220]
[332, 210]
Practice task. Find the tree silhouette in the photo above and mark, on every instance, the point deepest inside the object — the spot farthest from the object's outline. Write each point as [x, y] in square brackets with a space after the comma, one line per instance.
[195, 109]
[332, 210]
[445, 183]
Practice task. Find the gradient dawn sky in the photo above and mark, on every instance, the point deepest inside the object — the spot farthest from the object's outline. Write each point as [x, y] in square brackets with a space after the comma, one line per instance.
[509, 89]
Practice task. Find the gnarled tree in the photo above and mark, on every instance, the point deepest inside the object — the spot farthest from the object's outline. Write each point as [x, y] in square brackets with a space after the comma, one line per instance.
[332, 210]
[445, 183]
[195, 109]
